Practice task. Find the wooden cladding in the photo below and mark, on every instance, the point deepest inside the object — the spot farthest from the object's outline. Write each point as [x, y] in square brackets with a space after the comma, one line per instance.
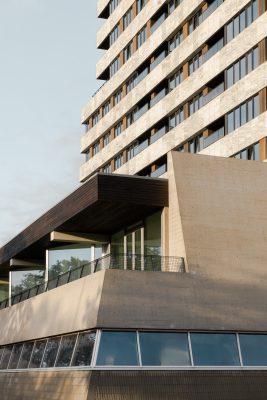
[263, 100]
[262, 6]
[262, 51]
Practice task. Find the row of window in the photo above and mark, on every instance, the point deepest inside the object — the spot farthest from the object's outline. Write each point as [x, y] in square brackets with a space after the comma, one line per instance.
[193, 65]
[128, 50]
[137, 348]
[250, 153]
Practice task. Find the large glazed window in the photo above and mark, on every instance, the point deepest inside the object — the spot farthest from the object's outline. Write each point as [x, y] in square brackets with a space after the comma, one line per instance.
[254, 349]
[214, 349]
[66, 350]
[13, 363]
[168, 349]
[84, 349]
[153, 235]
[37, 354]
[25, 279]
[51, 351]
[66, 258]
[25, 355]
[118, 349]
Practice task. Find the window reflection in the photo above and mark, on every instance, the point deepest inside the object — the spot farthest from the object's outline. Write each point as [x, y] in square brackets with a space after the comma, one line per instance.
[84, 349]
[6, 357]
[66, 350]
[214, 349]
[25, 355]
[15, 356]
[164, 348]
[254, 349]
[37, 354]
[118, 348]
[51, 351]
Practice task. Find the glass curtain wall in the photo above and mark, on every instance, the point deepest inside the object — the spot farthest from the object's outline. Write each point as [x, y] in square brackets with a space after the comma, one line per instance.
[66, 258]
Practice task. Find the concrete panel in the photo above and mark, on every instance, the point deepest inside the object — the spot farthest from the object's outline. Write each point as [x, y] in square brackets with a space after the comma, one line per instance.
[69, 308]
[223, 207]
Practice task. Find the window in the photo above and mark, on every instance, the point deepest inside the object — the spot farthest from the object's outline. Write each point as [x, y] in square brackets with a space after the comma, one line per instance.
[197, 144]
[127, 52]
[176, 118]
[172, 5]
[118, 161]
[51, 351]
[13, 363]
[114, 67]
[131, 83]
[96, 148]
[106, 139]
[242, 20]
[66, 350]
[118, 348]
[141, 36]
[127, 18]
[250, 153]
[84, 349]
[118, 129]
[106, 108]
[254, 349]
[95, 118]
[242, 67]
[214, 349]
[195, 104]
[26, 355]
[176, 79]
[112, 5]
[37, 354]
[243, 114]
[6, 357]
[140, 4]
[118, 96]
[107, 169]
[131, 117]
[164, 349]
[175, 40]
[114, 34]
[195, 63]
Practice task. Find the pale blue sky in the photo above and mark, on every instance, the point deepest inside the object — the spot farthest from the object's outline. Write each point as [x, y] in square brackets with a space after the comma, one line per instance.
[47, 73]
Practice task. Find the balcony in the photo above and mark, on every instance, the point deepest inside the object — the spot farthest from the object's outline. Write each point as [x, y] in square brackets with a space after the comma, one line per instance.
[134, 262]
[213, 93]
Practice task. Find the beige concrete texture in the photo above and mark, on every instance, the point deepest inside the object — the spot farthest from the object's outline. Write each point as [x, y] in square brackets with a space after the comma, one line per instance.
[69, 308]
[44, 385]
[242, 90]
[139, 56]
[222, 225]
[102, 4]
[135, 26]
[112, 21]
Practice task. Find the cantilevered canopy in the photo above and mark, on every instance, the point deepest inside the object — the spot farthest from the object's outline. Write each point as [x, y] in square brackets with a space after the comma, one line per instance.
[103, 205]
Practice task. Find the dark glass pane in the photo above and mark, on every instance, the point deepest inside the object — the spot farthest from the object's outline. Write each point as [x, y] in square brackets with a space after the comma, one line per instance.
[236, 26]
[237, 118]
[25, 355]
[215, 349]
[244, 155]
[243, 114]
[255, 10]
[37, 354]
[6, 357]
[250, 110]
[230, 77]
[15, 356]
[51, 351]
[249, 15]
[242, 20]
[66, 350]
[230, 122]
[230, 31]
[255, 106]
[166, 349]
[255, 57]
[118, 348]
[243, 69]
[237, 73]
[1, 353]
[256, 152]
[84, 349]
[250, 62]
[253, 349]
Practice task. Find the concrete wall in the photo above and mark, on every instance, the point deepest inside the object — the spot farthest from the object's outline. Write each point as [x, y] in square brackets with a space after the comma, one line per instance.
[223, 211]
[69, 308]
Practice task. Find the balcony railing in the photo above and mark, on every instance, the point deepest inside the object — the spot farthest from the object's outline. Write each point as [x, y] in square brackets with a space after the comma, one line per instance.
[213, 93]
[121, 262]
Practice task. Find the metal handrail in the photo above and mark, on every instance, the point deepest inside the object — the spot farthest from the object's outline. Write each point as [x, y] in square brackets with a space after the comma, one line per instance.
[135, 262]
